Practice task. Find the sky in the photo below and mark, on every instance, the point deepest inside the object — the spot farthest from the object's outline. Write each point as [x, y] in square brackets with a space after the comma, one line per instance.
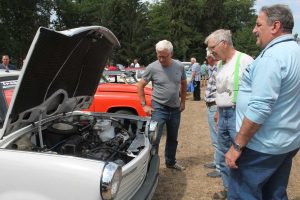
[293, 4]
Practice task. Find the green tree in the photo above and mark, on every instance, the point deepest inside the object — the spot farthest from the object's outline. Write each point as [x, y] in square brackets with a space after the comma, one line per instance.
[19, 21]
[127, 19]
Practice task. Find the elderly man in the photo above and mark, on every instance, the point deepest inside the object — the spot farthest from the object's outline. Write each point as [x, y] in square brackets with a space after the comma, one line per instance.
[230, 69]
[5, 63]
[196, 78]
[268, 119]
[168, 79]
[210, 100]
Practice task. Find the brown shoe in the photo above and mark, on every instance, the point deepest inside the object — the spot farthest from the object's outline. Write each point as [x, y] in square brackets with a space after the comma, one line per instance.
[220, 195]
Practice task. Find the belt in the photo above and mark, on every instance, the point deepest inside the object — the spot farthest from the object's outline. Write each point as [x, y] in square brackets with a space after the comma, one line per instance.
[208, 104]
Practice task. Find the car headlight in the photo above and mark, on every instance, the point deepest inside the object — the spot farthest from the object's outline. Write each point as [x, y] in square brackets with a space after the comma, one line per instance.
[153, 131]
[110, 181]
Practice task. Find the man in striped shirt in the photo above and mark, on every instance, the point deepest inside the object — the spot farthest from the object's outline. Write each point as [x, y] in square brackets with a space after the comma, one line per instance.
[210, 99]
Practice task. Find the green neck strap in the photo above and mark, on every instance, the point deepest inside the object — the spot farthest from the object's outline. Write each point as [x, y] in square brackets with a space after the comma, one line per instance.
[236, 76]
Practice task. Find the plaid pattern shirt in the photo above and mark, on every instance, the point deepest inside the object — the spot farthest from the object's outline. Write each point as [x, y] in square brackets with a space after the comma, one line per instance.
[211, 89]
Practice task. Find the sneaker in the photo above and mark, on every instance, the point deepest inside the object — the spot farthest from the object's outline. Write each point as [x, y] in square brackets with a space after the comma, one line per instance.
[220, 195]
[176, 166]
[210, 165]
[214, 174]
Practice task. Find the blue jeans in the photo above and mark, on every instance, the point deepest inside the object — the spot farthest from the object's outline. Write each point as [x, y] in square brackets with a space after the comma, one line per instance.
[171, 117]
[211, 112]
[226, 132]
[260, 176]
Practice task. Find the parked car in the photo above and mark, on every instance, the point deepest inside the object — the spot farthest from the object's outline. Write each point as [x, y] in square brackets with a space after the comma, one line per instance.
[187, 65]
[117, 93]
[137, 71]
[188, 70]
[127, 77]
[49, 149]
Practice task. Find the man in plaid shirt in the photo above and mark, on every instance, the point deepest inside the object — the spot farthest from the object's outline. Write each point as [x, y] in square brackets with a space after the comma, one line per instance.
[210, 99]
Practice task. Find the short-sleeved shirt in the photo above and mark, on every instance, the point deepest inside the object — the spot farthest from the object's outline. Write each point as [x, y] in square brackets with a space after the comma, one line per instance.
[197, 69]
[166, 82]
[225, 79]
[203, 69]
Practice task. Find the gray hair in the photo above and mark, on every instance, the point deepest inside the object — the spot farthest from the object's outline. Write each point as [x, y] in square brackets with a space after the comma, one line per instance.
[164, 45]
[282, 13]
[193, 59]
[220, 35]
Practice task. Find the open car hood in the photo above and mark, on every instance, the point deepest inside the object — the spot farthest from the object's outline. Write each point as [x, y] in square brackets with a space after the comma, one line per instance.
[61, 73]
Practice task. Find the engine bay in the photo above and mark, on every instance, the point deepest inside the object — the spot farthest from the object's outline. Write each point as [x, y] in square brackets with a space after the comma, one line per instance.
[112, 139]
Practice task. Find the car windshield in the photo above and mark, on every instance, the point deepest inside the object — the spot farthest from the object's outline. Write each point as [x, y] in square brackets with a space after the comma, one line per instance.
[7, 85]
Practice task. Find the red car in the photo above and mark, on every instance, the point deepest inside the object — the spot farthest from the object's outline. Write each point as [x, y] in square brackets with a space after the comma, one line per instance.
[8, 81]
[118, 94]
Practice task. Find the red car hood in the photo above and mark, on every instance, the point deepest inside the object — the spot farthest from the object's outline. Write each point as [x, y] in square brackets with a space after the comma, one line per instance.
[115, 87]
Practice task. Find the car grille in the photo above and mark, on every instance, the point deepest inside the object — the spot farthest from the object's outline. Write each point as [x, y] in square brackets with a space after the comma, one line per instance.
[133, 177]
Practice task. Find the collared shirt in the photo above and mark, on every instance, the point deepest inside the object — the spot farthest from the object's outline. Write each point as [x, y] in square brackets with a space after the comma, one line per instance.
[210, 92]
[197, 69]
[270, 95]
[225, 79]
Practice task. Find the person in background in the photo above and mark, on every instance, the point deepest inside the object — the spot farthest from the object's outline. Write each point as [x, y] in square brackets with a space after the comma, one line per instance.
[168, 98]
[231, 67]
[5, 64]
[210, 100]
[268, 117]
[135, 64]
[203, 74]
[112, 68]
[196, 78]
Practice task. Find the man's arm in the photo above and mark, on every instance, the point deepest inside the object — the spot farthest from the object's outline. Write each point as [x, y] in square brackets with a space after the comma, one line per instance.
[183, 91]
[247, 131]
[140, 89]
[193, 75]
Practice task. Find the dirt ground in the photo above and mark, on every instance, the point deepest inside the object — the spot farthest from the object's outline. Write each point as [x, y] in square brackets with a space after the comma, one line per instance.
[194, 149]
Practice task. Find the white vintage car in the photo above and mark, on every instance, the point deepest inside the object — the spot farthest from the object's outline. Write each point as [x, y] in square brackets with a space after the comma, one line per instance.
[49, 149]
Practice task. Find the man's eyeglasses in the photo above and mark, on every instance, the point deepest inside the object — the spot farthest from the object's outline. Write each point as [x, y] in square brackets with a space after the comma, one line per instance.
[212, 48]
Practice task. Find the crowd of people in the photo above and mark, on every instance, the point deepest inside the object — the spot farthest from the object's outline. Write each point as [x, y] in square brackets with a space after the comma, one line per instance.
[252, 105]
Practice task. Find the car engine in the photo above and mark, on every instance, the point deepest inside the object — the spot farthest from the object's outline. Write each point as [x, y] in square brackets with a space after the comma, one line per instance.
[105, 139]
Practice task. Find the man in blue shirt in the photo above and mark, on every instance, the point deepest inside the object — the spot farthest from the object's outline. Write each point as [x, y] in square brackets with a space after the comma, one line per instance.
[268, 117]
[5, 63]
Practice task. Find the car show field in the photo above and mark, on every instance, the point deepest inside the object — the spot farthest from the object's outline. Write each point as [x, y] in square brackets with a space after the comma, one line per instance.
[194, 149]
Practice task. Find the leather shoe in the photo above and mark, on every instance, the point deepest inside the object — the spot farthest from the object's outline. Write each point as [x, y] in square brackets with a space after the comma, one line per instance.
[210, 165]
[220, 195]
[214, 174]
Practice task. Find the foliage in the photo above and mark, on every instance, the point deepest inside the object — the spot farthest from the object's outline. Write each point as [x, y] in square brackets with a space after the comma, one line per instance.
[19, 21]
[137, 25]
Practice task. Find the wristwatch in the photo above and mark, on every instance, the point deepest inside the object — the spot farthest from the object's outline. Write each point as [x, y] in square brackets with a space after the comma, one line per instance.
[237, 147]
[143, 103]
